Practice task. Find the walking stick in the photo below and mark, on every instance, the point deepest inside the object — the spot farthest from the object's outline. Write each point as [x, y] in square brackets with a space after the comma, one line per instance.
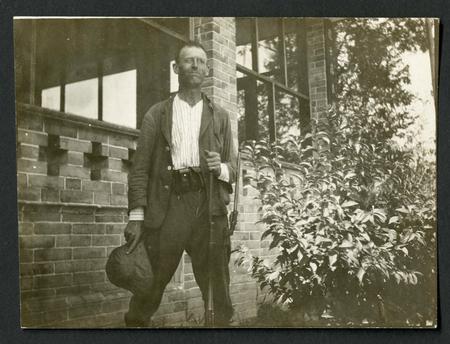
[209, 312]
[209, 316]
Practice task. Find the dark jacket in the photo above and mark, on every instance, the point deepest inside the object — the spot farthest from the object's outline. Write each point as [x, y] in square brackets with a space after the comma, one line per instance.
[150, 178]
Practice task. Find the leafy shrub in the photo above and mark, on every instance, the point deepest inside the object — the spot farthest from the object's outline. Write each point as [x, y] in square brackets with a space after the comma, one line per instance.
[347, 221]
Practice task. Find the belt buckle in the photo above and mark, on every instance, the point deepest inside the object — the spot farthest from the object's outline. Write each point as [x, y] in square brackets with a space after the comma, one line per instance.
[185, 182]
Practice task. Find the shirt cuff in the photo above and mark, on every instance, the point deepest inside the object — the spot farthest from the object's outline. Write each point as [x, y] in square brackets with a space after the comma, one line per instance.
[224, 173]
[136, 214]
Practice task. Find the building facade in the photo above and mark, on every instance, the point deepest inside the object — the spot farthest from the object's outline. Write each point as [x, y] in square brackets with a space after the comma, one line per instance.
[82, 88]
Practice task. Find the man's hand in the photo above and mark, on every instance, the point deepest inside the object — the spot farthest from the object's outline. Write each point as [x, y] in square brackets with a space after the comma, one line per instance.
[213, 162]
[133, 234]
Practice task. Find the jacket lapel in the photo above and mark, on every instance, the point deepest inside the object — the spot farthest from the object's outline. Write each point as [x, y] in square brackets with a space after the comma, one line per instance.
[166, 121]
[205, 142]
[207, 115]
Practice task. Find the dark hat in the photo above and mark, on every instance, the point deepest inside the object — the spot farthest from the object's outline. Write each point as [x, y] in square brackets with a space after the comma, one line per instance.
[130, 271]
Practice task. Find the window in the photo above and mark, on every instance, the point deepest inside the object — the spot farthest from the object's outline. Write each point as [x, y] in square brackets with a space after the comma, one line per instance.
[270, 52]
[173, 78]
[119, 98]
[244, 39]
[51, 98]
[253, 115]
[287, 113]
[296, 63]
[272, 81]
[82, 98]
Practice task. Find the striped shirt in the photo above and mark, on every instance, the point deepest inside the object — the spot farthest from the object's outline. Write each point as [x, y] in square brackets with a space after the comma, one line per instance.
[186, 122]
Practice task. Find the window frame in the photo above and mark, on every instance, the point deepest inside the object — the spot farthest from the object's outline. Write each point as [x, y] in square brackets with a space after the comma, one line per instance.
[272, 85]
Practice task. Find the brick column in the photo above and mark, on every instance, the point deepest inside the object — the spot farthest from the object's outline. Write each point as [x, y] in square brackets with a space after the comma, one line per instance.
[317, 71]
[218, 36]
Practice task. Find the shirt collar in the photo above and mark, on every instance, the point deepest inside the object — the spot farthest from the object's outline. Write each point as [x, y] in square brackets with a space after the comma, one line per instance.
[179, 100]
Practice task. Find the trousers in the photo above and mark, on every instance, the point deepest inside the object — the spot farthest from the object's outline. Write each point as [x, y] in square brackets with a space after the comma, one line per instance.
[186, 228]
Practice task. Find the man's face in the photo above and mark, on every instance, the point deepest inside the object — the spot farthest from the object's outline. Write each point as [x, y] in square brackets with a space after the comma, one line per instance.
[191, 67]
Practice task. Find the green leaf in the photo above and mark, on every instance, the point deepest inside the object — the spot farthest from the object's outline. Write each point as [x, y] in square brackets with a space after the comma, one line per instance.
[394, 219]
[346, 244]
[365, 236]
[303, 242]
[347, 204]
[403, 210]
[380, 214]
[332, 259]
[274, 275]
[349, 175]
[307, 136]
[313, 267]
[326, 139]
[292, 249]
[392, 235]
[367, 217]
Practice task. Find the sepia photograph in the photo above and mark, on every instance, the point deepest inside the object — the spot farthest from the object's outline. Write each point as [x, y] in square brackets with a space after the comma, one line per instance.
[227, 172]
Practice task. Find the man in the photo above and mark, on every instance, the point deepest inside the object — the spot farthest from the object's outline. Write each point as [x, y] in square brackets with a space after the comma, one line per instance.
[183, 141]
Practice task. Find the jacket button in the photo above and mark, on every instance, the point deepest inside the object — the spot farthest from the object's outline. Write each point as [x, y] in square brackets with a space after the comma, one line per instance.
[169, 168]
[166, 187]
[167, 148]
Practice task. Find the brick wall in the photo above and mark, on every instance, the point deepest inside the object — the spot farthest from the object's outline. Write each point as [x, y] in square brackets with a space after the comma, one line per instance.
[72, 211]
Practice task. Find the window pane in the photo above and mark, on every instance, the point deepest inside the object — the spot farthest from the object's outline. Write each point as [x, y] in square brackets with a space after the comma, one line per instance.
[244, 32]
[244, 55]
[241, 116]
[82, 98]
[50, 98]
[253, 117]
[269, 48]
[247, 107]
[287, 112]
[173, 78]
[296, 63]
[119, 98]
[263, 113]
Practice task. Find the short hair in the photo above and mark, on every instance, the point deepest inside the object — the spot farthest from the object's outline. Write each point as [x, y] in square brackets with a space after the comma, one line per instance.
[188, 44]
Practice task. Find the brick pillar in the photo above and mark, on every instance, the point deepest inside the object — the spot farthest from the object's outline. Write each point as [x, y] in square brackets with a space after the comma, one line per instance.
[218, 36]
[317, 71]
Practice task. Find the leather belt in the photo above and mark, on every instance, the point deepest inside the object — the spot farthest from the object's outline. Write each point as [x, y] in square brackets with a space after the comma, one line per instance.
[188, 180]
